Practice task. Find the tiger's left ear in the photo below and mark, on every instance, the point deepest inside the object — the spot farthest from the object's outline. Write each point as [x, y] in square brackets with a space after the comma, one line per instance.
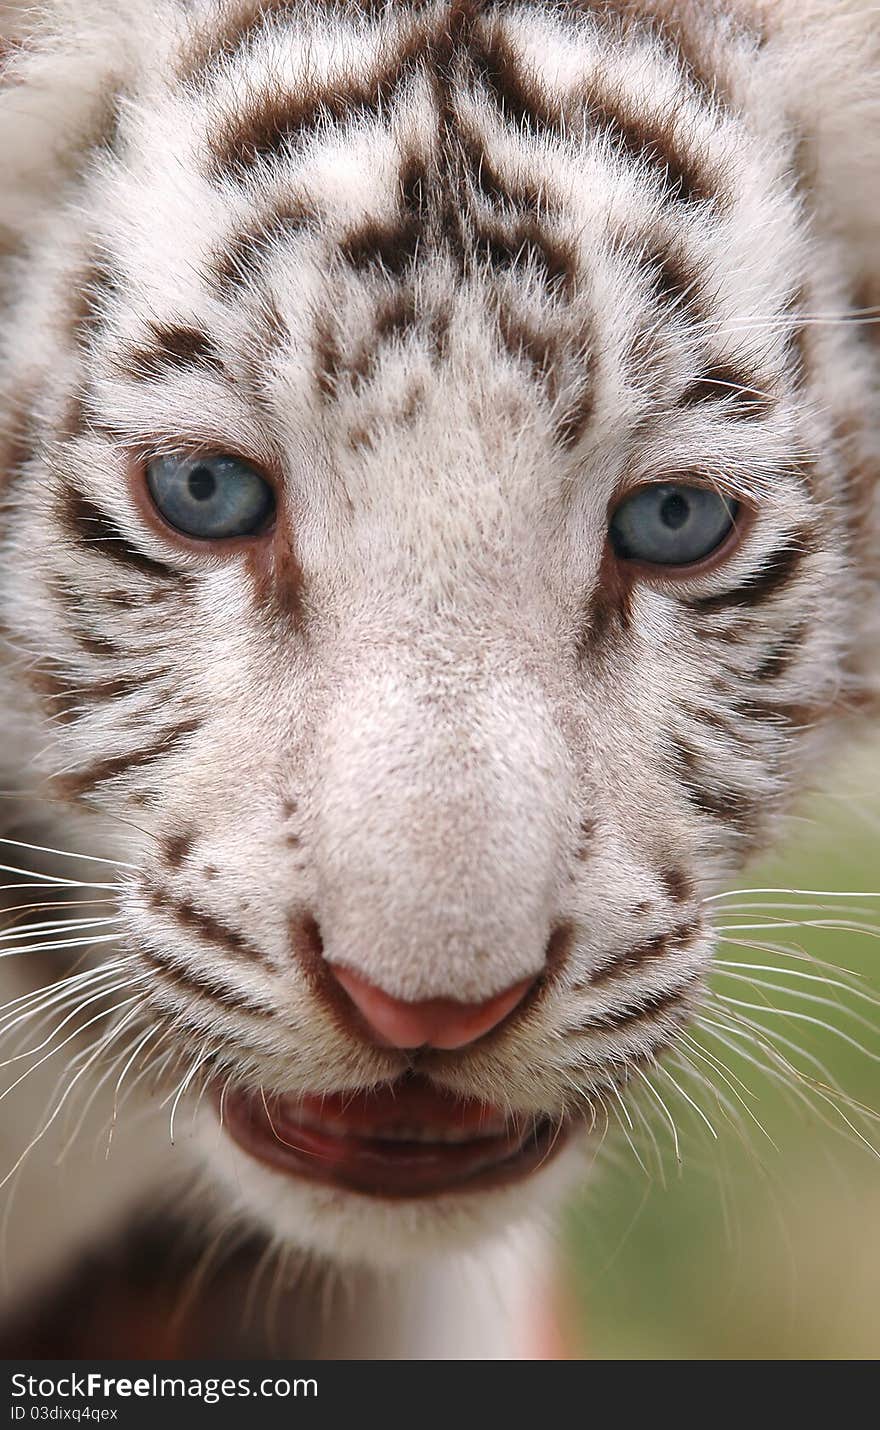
[826, 55]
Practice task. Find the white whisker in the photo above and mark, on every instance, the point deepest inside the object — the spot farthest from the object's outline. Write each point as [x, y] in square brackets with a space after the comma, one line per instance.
[68, 854]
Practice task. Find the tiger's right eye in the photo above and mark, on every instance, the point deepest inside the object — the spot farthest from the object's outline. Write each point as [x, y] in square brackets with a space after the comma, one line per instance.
[211, 497]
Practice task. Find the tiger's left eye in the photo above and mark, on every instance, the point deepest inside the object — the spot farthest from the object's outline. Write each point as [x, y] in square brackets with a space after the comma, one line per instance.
[672, 524]
[210, 497]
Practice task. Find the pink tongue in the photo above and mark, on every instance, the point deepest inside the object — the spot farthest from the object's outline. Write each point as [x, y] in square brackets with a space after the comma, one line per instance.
[411, 1103]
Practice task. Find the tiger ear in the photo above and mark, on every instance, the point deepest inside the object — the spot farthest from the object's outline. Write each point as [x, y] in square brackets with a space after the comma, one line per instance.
[59, 69]
[832, 76]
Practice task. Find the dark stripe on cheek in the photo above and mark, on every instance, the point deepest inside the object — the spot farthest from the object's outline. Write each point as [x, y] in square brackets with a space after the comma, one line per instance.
[202, 923]
[678, 884]
[78, 783]
[776, 574]
[198, 985]
[608, 617]
[49, 681]
[661, 948]
[643, 1010]
[18, 447]
[727, 805]
[87, 524]
[781, 656]
[176, 848]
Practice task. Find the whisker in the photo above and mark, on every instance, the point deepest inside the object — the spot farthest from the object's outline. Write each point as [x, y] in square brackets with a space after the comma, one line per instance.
[105, 1013]
[664, 1109]
[55, 880]
[90, 941]
[29, 930]
[729, 1078]
[101, 1048]
[68, 854]
[770, 1009]
[182, 1089]
[61, 987]
[80, 1004]
[828, 1094]
[728, 972]
[664, 1071]
[805, 893]
[620, 1112]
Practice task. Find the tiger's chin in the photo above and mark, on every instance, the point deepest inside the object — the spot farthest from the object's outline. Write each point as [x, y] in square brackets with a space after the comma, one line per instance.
[389, 1177]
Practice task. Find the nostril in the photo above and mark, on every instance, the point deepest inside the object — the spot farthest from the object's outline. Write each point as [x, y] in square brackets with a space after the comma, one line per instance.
[432, 1022]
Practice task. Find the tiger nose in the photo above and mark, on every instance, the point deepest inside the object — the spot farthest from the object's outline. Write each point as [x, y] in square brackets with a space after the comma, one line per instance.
[433, 1022]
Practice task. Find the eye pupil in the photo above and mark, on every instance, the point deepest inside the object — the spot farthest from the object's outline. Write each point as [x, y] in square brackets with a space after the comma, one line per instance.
[675, 511]
[202, 484]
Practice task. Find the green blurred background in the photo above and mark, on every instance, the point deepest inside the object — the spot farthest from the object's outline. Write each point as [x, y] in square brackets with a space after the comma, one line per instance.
[745, 1251]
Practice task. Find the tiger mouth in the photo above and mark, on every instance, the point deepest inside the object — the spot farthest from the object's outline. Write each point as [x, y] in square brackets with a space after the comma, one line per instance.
[404, 1140]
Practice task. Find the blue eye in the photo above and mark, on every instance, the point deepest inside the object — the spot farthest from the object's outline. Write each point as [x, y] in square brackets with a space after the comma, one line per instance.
[210, 497]
[671, 524]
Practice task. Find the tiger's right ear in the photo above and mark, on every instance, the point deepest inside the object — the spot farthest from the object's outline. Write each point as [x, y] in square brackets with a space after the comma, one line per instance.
[60, 69]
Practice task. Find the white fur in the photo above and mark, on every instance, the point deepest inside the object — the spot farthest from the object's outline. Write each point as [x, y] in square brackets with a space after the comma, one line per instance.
[440, 737]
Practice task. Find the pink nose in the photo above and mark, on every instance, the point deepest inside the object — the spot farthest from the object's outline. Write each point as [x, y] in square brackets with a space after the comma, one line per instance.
[434, 1022]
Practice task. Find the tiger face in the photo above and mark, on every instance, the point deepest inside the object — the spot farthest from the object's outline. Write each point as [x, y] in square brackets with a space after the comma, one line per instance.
[437, 537]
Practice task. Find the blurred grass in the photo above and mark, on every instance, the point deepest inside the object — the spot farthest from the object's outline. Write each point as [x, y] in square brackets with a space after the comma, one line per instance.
[748, 1252]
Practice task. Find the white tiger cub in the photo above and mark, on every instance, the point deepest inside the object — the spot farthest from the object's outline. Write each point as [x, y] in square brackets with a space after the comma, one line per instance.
[439, 538]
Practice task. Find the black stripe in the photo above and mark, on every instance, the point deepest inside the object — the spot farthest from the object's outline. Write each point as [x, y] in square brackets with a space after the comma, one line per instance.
[240, 27]
[642, 1010]
[607, 619]
[727, 805]
[516, 95]
[653, 950]
[245, 254]
[173, 347]
[672, 278]
[390, 246]
[88, 524]
[742, 397]
[779, 658]
[777, 572]
[684, 178]
[526, 245]
[206, 925]
[73, 786]
[267, 125]
[653, 143]
[92, 289]
[686, 33]
[191, 984]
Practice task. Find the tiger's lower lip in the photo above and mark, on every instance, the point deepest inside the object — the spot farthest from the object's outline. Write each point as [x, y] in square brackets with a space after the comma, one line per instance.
[407, 1140]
